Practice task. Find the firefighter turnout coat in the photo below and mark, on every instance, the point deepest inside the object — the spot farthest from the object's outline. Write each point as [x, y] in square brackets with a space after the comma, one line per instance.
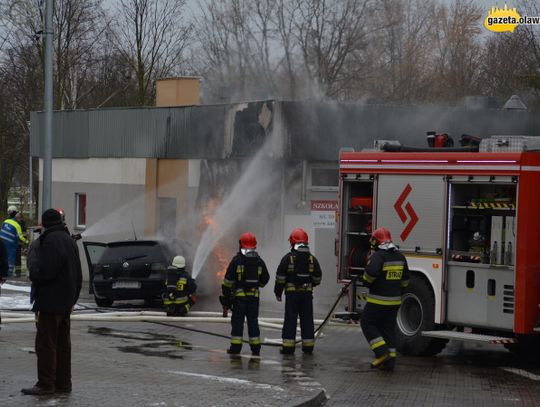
[297, 274]
[243, 278]
[179, 288]
[386, 275]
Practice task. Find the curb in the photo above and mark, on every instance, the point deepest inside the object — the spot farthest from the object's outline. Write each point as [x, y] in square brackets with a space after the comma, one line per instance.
[316, 401]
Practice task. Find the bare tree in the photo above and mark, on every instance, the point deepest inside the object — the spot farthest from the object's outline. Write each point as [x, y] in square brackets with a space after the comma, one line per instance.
[332, 36]
[402, 50]
[151, 36]
[78, 27]
[237, 40]
[457, 51]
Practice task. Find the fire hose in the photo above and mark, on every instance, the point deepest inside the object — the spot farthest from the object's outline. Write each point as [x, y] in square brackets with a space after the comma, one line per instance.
[161, 318]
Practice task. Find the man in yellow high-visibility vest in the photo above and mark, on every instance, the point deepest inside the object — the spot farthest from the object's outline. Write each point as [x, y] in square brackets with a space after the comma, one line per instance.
[12, 236]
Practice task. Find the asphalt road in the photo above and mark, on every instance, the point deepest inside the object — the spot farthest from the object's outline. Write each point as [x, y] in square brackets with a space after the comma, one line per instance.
[178, 364]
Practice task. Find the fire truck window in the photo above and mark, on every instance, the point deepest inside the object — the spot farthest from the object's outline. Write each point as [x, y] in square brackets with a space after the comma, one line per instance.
[482, 223]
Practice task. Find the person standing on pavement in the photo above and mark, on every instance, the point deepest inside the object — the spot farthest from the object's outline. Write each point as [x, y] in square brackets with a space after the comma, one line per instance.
[18, 261]
[245, 274]
[11, 234]
[3, 267]
[386, 275]
[297, 274]
[55, 272]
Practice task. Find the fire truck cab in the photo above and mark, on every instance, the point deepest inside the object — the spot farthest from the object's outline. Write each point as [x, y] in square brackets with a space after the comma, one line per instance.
[468, 223]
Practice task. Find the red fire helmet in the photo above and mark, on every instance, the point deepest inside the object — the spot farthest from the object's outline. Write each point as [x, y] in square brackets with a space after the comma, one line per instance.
[298, 235]
[381, 235]
[248, 241]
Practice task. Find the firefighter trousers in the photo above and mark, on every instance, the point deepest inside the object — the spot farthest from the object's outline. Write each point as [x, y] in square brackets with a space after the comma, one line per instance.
[245, 309]
[378, 325]
[298, 304]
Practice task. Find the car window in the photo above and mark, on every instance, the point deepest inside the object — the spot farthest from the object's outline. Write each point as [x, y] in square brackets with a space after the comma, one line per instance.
[95, 252]
[149, 253]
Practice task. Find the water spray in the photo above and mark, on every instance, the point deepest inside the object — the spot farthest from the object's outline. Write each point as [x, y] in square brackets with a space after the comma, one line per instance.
[258, 178]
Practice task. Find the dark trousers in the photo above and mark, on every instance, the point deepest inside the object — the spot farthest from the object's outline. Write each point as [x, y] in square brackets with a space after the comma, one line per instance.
[378, 324]
[245, 309]
[298, 304]
[53, 350]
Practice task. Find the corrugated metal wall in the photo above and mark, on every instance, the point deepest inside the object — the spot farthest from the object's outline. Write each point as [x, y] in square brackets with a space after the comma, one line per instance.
[188, 132]
[315, 131]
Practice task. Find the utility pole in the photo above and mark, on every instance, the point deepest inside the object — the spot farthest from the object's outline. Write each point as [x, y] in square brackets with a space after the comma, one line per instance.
[48, 104]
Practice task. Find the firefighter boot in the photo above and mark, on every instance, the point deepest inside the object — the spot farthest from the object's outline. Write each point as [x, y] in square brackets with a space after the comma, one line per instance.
[234, 350]
[288, 347]
[388, 365]
[378, 362]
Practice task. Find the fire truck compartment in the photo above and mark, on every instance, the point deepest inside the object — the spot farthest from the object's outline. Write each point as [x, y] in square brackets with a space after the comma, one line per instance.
[480, 255]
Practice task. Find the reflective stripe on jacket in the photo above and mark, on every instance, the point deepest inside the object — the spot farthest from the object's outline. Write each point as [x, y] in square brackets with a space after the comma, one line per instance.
[386, 274]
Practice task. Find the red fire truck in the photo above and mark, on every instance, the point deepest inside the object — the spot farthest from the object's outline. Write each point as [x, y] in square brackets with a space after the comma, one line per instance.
[469, 225]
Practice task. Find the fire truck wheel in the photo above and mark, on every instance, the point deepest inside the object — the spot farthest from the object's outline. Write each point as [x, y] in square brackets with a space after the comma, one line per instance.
[417, 314]
[103, 302]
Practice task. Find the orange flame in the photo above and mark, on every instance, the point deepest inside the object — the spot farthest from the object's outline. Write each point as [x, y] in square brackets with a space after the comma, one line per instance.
[220, 252]
[222, 258]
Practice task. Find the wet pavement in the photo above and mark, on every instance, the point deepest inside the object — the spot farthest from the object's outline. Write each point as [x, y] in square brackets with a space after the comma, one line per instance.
[179, 364]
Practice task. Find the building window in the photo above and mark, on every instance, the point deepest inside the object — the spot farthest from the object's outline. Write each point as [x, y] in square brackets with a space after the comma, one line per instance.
[80, 211]
[324, 178]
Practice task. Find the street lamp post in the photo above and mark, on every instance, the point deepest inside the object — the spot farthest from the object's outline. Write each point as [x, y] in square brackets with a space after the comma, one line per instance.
[48, 104]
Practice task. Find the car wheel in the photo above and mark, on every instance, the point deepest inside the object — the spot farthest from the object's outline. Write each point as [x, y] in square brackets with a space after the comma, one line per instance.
[417, 314]
[103, 302]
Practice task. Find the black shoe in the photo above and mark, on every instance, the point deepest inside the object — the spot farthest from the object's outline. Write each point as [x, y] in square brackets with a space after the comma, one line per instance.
[64, 390]
[233, 351]
[286, 351]
[256, 353]
[308, 351]
[37, 391]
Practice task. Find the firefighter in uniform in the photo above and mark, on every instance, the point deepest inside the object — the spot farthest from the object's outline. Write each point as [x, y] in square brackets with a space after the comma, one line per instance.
[386, 274]
[297, 274]
[180, 289]
[245, 274]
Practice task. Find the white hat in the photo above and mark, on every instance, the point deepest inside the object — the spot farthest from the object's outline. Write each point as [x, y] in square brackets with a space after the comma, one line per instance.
[179, 262]
[12, 208]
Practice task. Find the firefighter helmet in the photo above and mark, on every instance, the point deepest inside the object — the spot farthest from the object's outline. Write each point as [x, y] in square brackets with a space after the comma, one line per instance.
[62, 213]
[298, 235]
[179, 262]
[12, 210]
[248, 241]
[380, 236]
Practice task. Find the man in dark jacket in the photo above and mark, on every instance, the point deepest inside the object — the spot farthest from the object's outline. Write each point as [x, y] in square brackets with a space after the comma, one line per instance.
[297, 274]
[386, 274]
[245, 274]
[55, 272]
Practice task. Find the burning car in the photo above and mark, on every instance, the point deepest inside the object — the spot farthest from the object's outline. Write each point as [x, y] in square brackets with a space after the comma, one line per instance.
[127, 270]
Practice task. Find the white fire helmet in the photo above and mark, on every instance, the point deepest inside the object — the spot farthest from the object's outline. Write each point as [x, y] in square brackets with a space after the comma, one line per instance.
[12, 210]
[179, 262]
